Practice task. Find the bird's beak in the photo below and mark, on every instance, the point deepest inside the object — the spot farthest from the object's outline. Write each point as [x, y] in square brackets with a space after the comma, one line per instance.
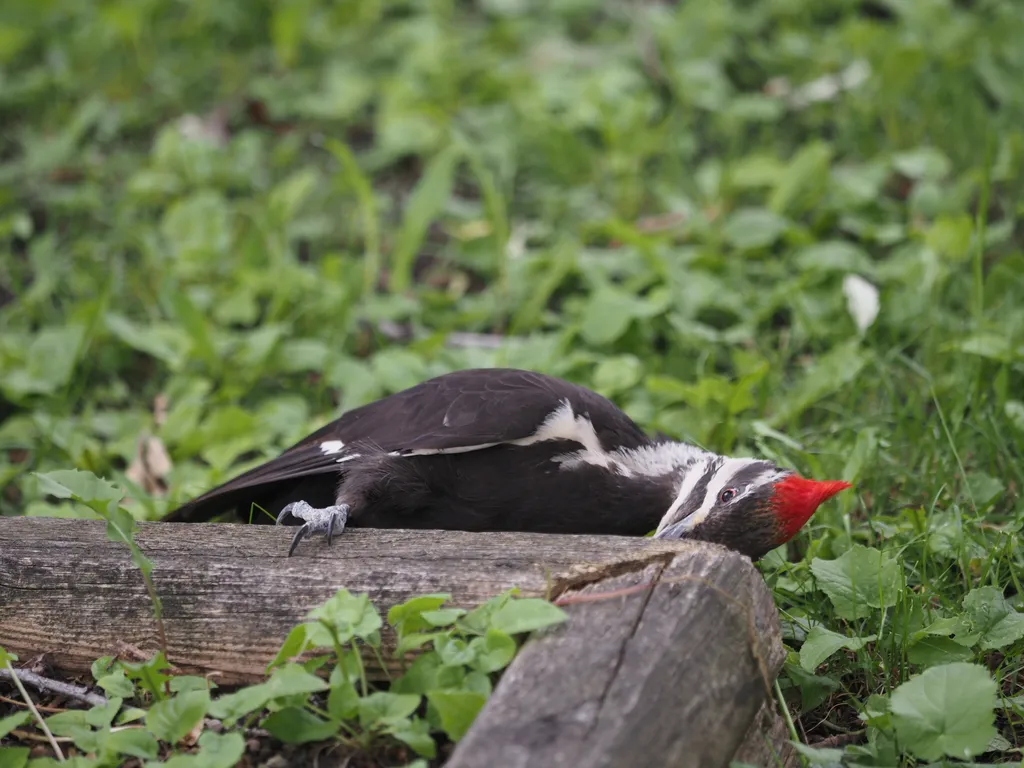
[677, 530]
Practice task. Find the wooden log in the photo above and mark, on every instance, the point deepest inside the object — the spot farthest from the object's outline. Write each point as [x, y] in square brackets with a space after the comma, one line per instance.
[676, 668]
[673, 674]
[230, 594]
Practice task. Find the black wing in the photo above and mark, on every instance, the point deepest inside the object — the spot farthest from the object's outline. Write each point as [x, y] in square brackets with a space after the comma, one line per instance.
[459, 410]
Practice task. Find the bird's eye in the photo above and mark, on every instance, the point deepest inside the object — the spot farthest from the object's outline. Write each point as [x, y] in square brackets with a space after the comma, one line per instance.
[727, 495]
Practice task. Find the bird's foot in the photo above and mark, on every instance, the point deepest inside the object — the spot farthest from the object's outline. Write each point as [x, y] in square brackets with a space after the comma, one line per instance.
[328, 521]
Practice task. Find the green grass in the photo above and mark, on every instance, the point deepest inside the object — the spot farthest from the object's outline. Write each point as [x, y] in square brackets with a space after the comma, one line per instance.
[624, 194]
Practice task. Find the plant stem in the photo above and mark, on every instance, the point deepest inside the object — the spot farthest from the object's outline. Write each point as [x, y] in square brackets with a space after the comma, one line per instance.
[35, 714]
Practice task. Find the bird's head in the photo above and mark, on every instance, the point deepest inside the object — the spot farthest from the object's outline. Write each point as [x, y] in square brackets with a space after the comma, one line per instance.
[749, 505]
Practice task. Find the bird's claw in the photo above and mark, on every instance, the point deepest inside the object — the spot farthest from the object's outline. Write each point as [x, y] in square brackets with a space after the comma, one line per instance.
[329, 520]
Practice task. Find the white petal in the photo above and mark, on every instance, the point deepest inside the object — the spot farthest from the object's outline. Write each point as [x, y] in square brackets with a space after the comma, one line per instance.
[861, 301]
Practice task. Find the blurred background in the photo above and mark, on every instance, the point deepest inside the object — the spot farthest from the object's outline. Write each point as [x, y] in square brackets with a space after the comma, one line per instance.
[777, 227]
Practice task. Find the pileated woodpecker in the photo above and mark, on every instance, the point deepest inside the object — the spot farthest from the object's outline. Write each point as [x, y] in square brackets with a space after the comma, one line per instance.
[500, 449]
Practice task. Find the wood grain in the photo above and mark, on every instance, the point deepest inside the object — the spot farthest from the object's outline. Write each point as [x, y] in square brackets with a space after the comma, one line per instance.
[667, 659]
[230, 595]
[670, 675]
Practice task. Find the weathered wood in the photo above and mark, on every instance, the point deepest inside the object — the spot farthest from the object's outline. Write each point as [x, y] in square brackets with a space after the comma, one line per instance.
[767, 741]
[670, 675]
[230, 595]
[673, 672]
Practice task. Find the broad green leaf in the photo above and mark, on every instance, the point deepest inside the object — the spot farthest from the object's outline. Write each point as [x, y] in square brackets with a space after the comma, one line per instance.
[11, 722]
[185, 683]
[84, 487]
[607, 315]
[860, 580]
[197, 325]
[428, 199]
[932, 651]
[216, 750]
[415, 640]
[289, 195]
[526, 615]
[171, 720]
[295, 643]
[14, 757]
[116, 684]
[75, 761]
[951, 236]
[821, 643]
[993, 618]
[416, 733]
[150, 674]
[1014, 410]
[130, 715]
[68, 722]
[221, 750]
[803, 181]
[49, 362]
[814, 689]
[73, 724]
[302, 355]
[453, 651]
[456, 710]
[994, 346]
[292, 679]
[820, 757]
[350, 615]
[755, 170]
[862, 455]
[6, 657]
[477, 682]
[616, 374]
[103, 716]
[233, 706]
[833, 256]
[956, 627]
[343, 700]
[198, 228]
[298, 726]
[984, 489]
[166, 343]
[427, 673]
[493, 651]
[478, 620]
[289, 680]
[443, 617]
[829, 374]
[922, 163]
[134, 742]
[752, 228]
[386, 708]
[947, 710]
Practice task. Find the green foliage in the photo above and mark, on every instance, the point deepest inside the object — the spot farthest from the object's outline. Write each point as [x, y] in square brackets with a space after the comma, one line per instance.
[220, 226]
[328, 697]
[947, 710]
[861, 579]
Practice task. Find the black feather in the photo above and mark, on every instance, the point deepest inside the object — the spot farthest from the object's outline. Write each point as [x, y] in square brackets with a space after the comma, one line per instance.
[466, 408]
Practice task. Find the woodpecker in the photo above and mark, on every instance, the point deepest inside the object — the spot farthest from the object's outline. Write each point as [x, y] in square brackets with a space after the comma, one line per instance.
[501, 449]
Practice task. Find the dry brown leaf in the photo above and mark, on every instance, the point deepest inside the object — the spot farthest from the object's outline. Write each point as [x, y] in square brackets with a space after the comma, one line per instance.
[151, 465]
